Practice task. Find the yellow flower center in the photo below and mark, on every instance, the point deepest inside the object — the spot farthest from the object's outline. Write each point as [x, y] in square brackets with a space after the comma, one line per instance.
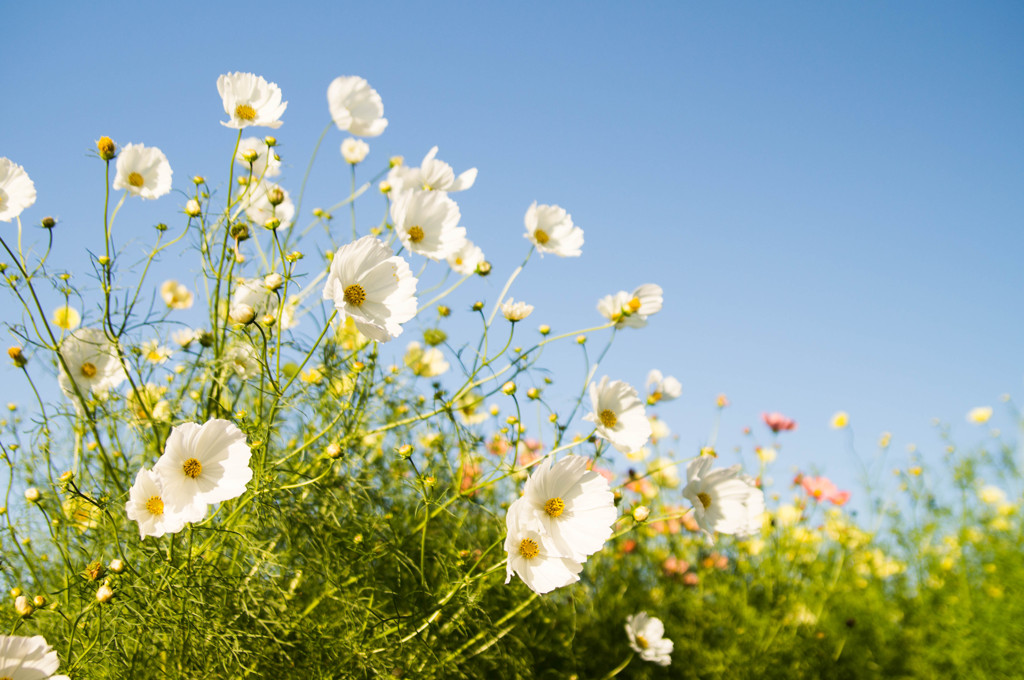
[7, 677]
[192, 468]
[528, 548]
[608, 418]
[541, 236]
[634, 305]
[355, 295]
[136, 180]
[458, 260]
[88, 369]
[705, 499]
[245, 112]
[416, 234]
[642, 642]
[155, 505]
[554, 507]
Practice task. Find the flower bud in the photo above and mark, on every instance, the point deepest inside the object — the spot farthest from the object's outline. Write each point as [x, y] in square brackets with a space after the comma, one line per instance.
[641, 513]
[23, 607]
[205, 338]
[17, 356]
[509, 387]
[333, 450]
[544, 329]
[66, 477]
[198, 179]
[270, 141]
[192, 208]
[434, 336]
[39, 601]
[104, 594]
[273, 281]
[242, 313]
[533, 393]
[250, 155]
[48, 223]
[385, 187]
[239, 231]
[442, 310]
[581, 339]
[483, 268]
[275, 196]
[477, 306]
[272, 224]
[15, 592]
[106, 148]
[116, 565]
[32, 494]
[395, 161]
[268, 320]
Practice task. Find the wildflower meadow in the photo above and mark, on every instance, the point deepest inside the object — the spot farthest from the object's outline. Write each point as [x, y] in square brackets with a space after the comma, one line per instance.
[329, 476]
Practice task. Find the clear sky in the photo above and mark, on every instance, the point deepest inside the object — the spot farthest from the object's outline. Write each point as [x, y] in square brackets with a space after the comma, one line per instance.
[830, 194]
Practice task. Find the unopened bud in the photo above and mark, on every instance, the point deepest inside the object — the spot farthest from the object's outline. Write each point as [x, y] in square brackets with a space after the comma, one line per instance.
[116, 565]
[23, 607]
[32, 494]
[395, 161]
[434, 336]
[239, 231]
[333, 450]
[385, 187]
[198, 179]
[405, 450]
[250, 155]
[270, 141]
[483, 268]
[273, 281]
[509, 387]
[106, 147]
[268, 320]
[442, 310]
[67, 477]
[205, 338]
[581, 339]
[39, 601]
[104, 594]
[275, 196]
[192, 208]
[533, 393]
[641, 513]
[48, 223]
[544, 329]
[272, 224]
[242, 313]
[17, 356]
[477, 306]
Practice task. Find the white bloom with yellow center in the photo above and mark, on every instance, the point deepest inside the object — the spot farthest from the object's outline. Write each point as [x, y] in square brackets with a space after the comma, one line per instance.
[354, 150]
[260, 204]
[146, 506]
[93, 363]
[551, 230]
[435, 175]
[647, 638]
[979, 415]
[532, 554]
[723, 500]
[618, 415]
[356, 107]
[631, 309]
[370, 284]
[28, 658]
[515, 311]
[427, 222]
[154, 352]
[465, 259]
[176, 295]
[573, 505]
[250, 100]
[143, 171]
[265, 163]
[662, 388]
[17, 191]
[840, 419]
[202, 464]
[427, 363]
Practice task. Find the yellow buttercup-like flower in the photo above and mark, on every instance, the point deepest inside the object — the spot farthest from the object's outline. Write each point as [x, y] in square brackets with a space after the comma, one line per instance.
[979, 415]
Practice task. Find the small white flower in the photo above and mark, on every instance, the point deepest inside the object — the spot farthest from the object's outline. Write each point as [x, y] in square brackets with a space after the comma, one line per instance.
[176, 295]
[356, 107]
[93, 363]
[647, 638]
[266, 163]
[147, 507]
[662, 388]
[154, 352]
[426, 363]
[723, 500]
[143, 171]
[435, 175]
[250, 100]
[427, 223]
[243, 361]
[573, 505]
[515, 311]
[465, 259]
[184, 337]
[631, 309]
[619, 415]
[550, 228]
[202, 464]
[532, 555]
[260, 204]
[273, 281]
[354, 150]
[192, 208]
[17, 191]
[242, 313]
[373, 286]
[28, 658]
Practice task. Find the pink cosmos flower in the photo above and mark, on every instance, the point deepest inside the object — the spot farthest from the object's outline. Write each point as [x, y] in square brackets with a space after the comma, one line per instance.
[822, 489]
[777, 422]
[673, 566]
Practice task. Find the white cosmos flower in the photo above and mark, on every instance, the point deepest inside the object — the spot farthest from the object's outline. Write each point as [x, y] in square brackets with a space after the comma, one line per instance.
[427, 223]
[573, 505]
[550, 228]
[515, 311]
[154, 352]
[619, 415]
[143, 171]
[184, 337]
[243, 361]
[93, 363]
[465, 259]
[260, 207]
[532, 554]
[631, 309]
[250, 100]
[356, 107]
[662, 388]
[266, 165]
[201, 464]
[28, 658]
[723, 500]
[17, 191]
[435, 175]
[647, 638]
[147, 507]
[373, 286]
[354, 150]
[176, 295]
[426, 363]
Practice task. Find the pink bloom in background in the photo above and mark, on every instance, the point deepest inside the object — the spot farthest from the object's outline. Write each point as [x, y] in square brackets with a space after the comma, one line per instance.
[822, 489]
[498, 445]
[606, 473]
[690, 578]
[673, 566]
[469, 471]
[778, 422]
[628, 545]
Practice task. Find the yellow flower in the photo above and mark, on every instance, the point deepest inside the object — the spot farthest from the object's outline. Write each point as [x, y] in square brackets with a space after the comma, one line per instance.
[840, 420]
[992, 495]
[979, 415]
[788, 514]
[67, 318]
[884, 440]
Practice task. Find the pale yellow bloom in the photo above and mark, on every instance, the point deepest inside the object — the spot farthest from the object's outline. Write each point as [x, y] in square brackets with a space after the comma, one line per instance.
[787, 515]
[67, 318]
[640, 454]
[176, 295]
[992, 495]
[979, 415]
[154, 352]
[766, 454]
[840, 420]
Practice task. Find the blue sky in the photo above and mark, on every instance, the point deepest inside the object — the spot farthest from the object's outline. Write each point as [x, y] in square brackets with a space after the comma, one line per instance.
[829, 194]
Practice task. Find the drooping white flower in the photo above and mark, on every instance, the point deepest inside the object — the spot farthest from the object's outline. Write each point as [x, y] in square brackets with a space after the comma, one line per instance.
[619, 415]
[17, 191]
[515, 311]
[176, 295]
[250, 100]
[426, 363]
[662, 388]
[356, 107]
[243, 361]
[435, 175]
[427, 223]
[724, 500]
[631, 309]
[373, 286]
[354, 150]
[28, 658]
[647, 638]
[143, 171]
[266, 200]
[573, 505]
[266, 163]
[93, 363]
[550, 228]
[532, 555]
[201, 464]
[146, 506]
[465, 259]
